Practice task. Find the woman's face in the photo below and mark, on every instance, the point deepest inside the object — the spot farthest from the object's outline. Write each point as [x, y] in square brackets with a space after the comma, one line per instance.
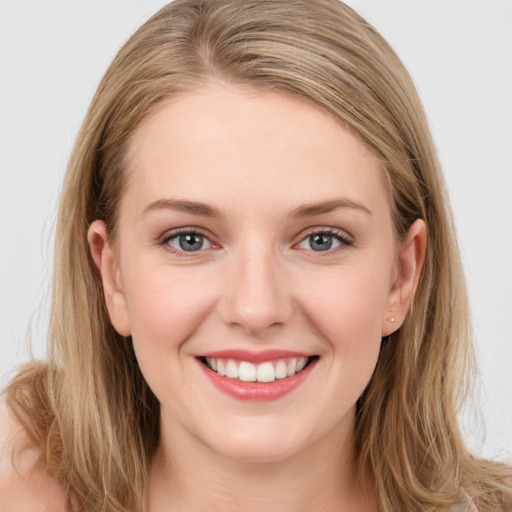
[254, 236]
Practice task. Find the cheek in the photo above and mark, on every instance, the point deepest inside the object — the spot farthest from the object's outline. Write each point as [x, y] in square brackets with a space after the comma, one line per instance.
[347, 306]
[346, 310]
[165, 308]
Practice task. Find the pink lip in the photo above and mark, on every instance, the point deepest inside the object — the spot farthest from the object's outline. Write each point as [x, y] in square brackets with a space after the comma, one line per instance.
[257, 391]
[254, 357]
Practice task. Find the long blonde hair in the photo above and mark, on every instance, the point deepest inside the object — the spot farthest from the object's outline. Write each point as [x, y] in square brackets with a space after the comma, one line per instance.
[89, 408]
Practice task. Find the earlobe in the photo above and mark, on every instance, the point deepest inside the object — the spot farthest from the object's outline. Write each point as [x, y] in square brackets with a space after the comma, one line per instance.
[411, 256]
[105, 260]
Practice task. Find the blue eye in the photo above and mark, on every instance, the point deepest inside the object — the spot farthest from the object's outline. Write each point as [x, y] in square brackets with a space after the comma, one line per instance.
[323, 241]
[189, 242]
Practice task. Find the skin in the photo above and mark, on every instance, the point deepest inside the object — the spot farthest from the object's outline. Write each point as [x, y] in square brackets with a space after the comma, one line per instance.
[257, 283]
[26, 485]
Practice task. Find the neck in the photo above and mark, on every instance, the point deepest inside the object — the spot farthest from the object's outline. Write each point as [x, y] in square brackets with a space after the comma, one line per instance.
[189, 476]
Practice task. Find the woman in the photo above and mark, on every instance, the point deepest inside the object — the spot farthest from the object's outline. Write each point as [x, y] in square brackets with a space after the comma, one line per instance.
[258, 300]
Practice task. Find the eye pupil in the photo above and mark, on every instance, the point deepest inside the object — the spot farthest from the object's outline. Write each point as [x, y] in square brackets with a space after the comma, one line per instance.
[321, 242]
[191, 242]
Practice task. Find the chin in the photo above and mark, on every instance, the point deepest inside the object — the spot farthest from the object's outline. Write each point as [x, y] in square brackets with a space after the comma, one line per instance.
[258, 445]
[256, 453]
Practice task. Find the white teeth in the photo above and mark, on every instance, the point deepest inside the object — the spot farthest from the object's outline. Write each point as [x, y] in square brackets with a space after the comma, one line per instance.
[221, 369]
[263, 372]
[301, 363]
[292, 367]
[232, 370]
[281, 370]
[247, 372]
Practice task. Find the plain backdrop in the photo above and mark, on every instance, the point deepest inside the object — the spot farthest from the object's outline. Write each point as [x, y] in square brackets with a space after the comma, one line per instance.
[459, 52]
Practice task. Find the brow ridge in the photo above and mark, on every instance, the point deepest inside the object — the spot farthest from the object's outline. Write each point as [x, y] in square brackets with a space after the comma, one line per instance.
[328, 206]
[192, 207]
[203, 209]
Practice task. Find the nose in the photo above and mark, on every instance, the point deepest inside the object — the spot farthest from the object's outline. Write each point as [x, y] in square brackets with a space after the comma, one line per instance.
[257, 296]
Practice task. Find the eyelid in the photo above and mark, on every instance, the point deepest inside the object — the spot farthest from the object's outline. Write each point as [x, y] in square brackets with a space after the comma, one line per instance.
[173, 233]
[341, 235]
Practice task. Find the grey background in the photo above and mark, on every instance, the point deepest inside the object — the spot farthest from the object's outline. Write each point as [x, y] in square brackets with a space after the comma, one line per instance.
[459, 52]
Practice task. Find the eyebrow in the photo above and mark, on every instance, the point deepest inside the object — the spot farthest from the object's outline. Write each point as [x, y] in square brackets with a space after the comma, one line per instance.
[203, 209]
[308, 210]
[193, 207]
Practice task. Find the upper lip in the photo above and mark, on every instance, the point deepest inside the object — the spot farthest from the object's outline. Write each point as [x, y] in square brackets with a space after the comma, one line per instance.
[255, 357]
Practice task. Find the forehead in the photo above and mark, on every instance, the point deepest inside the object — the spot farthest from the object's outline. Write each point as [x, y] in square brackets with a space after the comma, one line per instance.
[227, 141]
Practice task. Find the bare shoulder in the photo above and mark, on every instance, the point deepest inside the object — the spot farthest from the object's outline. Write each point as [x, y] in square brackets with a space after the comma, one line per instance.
[25, 484]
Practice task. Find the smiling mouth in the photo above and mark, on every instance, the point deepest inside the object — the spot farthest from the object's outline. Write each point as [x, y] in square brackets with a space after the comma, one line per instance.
[265, 372]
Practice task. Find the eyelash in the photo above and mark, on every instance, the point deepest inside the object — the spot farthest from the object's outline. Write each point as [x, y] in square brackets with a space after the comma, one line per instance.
[165, 241]
[341, 236]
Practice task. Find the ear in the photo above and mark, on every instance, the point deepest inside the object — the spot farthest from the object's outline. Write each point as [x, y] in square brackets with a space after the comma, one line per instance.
[411, 256]
[105, 259]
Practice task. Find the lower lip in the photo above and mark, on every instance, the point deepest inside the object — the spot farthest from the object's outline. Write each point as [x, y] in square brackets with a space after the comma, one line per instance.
[258, 391]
